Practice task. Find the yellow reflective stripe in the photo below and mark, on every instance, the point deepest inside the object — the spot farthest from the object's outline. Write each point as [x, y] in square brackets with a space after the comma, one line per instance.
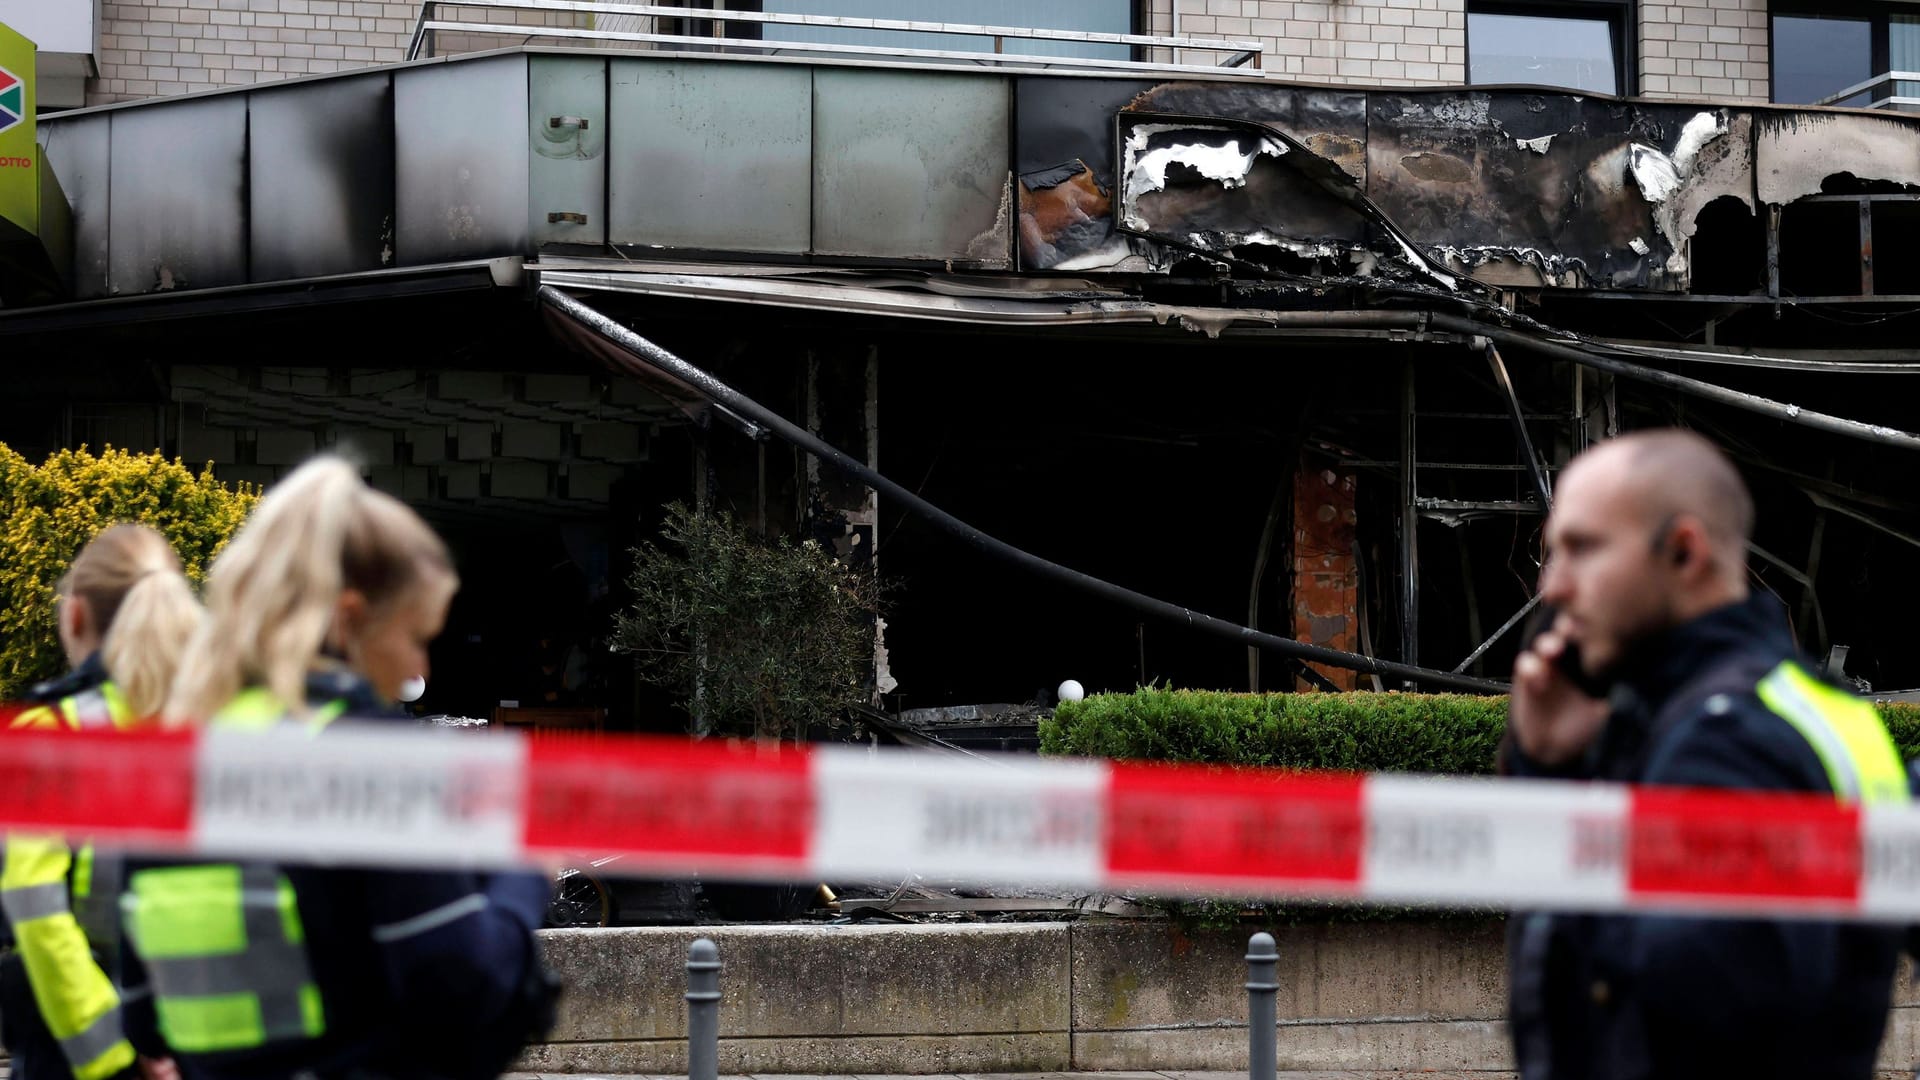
[83, 872]
[1845, 732]
[186, 911]
[34, 860]
[100, 707]
[257, 709]
[39, 718]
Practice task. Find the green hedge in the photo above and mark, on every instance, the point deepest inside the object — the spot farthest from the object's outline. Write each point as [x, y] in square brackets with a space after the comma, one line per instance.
[1418, 733]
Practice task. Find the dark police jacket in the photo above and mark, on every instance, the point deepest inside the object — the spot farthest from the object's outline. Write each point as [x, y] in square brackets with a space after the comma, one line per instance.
[1619, 996]
[454, 999]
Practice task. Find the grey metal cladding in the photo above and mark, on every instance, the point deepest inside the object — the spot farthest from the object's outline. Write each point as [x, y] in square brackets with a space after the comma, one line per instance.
[712, 155]
[78, 150]
[176, 212]
[911, 164]
[567, 136]
[321, 169]
[460, 131]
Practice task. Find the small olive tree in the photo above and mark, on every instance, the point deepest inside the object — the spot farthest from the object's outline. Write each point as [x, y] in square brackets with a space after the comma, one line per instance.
[762, 637]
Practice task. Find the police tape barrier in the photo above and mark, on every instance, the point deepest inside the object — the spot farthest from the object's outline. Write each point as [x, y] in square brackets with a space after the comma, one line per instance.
[384, 795]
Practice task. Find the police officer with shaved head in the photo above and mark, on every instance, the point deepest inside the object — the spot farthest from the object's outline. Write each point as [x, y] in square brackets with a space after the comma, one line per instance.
[1657, 665]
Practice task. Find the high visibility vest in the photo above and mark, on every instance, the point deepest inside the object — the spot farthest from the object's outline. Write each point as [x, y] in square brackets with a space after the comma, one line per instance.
[223, 944]
[97, 708]
[1845, 731]
[58, 908]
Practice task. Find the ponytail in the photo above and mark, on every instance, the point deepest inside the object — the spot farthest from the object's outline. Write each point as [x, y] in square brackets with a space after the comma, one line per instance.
[272, 594]
[130, 579]
[148, 637]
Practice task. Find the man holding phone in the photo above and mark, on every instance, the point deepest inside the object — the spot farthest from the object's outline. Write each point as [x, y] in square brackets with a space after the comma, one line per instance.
[1657, 665]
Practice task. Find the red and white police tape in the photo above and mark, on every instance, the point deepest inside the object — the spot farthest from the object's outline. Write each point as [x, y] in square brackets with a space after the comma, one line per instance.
[383, 795]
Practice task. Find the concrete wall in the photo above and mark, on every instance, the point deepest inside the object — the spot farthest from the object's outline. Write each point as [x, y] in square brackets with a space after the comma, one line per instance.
[1031, 997]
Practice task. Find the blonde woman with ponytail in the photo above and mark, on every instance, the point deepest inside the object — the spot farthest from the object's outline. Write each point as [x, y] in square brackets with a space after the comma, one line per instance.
[323, 606]
[125, 614]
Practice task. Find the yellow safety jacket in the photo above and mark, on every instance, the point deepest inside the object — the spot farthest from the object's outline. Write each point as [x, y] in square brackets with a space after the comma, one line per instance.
[1846, 733]
[222, 943]
[58, 907]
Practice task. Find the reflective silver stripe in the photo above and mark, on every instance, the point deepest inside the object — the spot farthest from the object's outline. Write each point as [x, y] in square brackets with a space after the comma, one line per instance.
[27, 902]
[91, 708]
[101, 1036]
[281, 1016]
[97, 911]
[1812, 725]
[431, 920]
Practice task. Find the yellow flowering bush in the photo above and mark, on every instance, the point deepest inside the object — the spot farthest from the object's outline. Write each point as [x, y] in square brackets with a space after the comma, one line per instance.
[49, 512]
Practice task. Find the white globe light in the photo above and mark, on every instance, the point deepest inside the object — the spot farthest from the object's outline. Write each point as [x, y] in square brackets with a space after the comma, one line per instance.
[1071, 690]
[413, 688]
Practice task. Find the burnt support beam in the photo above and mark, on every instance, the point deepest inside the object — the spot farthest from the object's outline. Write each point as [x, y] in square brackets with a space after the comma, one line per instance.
[1409, 524]
[641, 358]
[1773, 256]
[1275, 511]
[1809, 599]
[1467, 585]
[1481, 649]
[1866, 247]
[843, 513]
[1536, 468]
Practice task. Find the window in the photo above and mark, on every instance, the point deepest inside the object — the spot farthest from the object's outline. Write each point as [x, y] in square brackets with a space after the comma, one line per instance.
[1815, 56]
[1578, 46]
[1820, 54]
[1096, 16]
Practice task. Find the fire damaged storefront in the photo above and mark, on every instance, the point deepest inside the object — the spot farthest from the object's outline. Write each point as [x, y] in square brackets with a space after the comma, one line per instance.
[1136, 377]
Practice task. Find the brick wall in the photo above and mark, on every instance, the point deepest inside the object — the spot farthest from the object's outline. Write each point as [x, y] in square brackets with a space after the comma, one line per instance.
[1688, 48]
[160, 47]
[1370, 42]
[1705, 48]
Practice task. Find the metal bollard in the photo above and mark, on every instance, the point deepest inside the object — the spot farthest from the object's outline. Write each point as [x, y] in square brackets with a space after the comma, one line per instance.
[1263, 961]
[703, 1010]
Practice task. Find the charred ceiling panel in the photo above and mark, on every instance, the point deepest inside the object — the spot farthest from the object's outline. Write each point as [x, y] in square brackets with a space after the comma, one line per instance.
[1795, 152]
[711, 155]
[1558, 189]
[177, 215]
[1066, 195]
[320, 168]
[1711, 159]
[912, 165]
[567, 130]
[1331, 123]
[77, 150]
[462, 135]
[1063, 150]
[1232, 189]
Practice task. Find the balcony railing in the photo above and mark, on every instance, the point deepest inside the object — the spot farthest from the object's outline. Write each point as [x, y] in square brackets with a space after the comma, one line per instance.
[1006, 39]
[1886, 78]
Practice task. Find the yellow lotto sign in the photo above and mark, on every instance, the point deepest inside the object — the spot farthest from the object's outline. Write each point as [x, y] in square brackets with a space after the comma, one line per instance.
[19, 186]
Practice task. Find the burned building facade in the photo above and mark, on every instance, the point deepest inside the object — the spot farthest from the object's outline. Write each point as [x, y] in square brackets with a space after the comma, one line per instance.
[1257, 362]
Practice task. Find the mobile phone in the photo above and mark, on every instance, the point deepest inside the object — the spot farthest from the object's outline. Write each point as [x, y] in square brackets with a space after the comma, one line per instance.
[1569, 659]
